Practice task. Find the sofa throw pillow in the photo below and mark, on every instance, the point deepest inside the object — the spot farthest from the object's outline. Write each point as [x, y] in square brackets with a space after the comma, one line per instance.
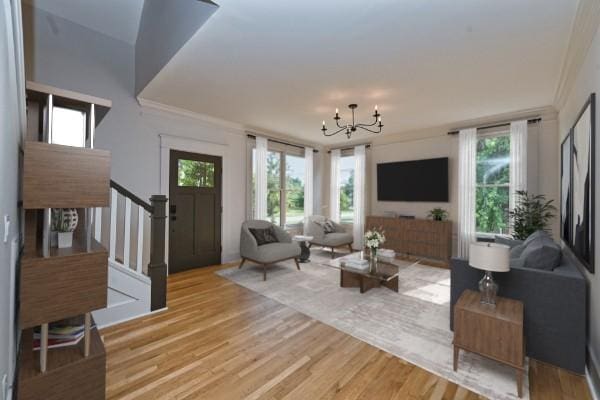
[536, 235]
[264, 236]
[541, 253]
[510, 242]
[327, 225]
[515, 252]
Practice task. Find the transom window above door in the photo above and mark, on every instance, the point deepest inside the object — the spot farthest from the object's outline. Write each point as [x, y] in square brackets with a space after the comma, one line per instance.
[192, 173]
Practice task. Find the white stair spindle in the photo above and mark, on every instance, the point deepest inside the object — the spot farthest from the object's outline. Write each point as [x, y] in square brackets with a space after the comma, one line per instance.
[113, 224]
[140, 240]
[98, 224]
[127, 246]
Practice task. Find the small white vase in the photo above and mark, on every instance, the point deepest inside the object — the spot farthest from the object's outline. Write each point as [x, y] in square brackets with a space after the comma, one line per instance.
[65, 240]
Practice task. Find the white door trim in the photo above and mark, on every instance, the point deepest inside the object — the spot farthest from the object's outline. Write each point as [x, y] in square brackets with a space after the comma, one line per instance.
[170, 142]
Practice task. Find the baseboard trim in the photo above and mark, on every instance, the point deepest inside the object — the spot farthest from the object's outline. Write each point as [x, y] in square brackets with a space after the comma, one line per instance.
[592, 376]
[160, 310]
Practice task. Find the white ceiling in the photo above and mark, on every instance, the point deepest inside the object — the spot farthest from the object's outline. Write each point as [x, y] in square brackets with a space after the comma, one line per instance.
[118, 19]
[284, 66]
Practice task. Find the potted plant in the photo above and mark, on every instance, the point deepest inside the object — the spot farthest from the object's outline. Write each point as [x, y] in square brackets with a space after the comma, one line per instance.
[374, 238]
[531, 213]
[64, 222]
[438, 214]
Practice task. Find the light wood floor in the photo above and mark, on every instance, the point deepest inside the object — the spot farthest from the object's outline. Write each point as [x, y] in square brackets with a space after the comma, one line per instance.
[221, 341]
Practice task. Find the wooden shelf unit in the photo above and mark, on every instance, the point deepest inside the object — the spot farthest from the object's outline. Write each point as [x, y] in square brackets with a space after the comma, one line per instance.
[56, 176]
[416, 238]
[67, 283]
[70, 282]
[70, 375]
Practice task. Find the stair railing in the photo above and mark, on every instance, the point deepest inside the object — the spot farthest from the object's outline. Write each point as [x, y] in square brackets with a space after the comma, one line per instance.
[156, 211]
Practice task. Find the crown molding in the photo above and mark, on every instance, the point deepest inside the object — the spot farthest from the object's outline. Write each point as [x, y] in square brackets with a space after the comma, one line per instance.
[154, 105]
[546, 113]
[585, 25]
[233, 127]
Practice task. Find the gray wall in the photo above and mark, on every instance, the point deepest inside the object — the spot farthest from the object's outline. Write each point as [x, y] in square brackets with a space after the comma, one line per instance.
[158, 40]
[63, 54]
[10, 138]
[587, 82]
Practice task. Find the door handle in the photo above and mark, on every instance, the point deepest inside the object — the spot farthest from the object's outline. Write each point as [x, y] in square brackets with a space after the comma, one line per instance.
[173, 218]
[172, 208]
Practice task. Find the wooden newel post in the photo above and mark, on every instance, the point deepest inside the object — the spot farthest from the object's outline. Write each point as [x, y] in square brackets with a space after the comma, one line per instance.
[157, 269]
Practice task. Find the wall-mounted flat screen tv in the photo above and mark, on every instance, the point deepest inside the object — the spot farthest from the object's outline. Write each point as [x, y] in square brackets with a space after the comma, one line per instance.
[419, 180]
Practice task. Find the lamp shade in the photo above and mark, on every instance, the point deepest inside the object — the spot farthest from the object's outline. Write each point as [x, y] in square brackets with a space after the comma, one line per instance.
[489, 257]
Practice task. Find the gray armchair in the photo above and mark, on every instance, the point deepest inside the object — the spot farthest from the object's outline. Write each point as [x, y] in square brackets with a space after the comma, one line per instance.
[339, 238]
[269, 253]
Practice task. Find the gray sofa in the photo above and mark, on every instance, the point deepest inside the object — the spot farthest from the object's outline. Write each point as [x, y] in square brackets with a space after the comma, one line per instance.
[339, 238]
[555, 307]
[270, 253]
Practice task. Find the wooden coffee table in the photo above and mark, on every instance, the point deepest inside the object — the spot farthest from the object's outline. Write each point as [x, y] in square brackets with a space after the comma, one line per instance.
[386, 275]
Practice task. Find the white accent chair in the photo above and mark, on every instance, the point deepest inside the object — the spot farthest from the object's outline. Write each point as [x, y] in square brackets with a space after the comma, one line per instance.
[270, 253]
[339, 238]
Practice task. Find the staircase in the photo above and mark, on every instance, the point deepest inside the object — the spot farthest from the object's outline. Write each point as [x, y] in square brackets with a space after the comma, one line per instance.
[133, 231]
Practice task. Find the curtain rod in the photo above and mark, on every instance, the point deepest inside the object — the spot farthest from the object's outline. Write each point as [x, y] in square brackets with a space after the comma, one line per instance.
[285, 143]
[367, 146]
[529, 121]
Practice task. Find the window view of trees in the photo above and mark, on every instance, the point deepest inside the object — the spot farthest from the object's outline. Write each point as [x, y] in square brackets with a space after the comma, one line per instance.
[195, 173]
[294, 186]
[293, 189]
[492, 185]
[274, 187]
[347, 189]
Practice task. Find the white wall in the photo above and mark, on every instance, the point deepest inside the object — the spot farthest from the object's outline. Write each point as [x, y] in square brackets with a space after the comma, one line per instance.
[10, 140]
[587, 82]
[63, 54]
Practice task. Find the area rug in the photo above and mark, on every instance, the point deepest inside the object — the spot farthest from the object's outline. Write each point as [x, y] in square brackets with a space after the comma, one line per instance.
[412, 324]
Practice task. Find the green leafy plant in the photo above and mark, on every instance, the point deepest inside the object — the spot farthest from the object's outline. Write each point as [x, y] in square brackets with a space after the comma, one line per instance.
[63, 220]
[438, 214]
[531, 213]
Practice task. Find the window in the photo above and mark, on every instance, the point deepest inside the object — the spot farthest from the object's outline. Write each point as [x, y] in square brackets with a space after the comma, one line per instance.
[285, 188]
[274, 187]
[193, 173]
[68, 127]
[346, 189]
[294, 190]
[492, 185]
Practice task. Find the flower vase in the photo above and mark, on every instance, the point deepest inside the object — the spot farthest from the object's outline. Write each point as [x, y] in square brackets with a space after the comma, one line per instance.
[373, 260]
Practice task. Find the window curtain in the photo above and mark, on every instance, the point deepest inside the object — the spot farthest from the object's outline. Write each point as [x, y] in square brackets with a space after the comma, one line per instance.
[334, 189]
[260, 188]
[518, 160]
[308, 184]
[359, 196]
[467, 164]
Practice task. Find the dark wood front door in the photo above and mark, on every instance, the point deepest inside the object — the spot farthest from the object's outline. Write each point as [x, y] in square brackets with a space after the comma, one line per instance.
[194, 210]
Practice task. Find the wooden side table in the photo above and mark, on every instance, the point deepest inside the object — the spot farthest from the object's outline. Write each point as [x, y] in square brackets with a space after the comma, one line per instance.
[492, 332]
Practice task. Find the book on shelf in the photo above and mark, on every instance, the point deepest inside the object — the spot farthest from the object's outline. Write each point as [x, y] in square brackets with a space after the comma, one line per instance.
[60, 335]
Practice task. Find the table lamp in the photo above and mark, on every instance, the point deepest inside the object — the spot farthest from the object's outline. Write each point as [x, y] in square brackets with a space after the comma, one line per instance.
[489, 257]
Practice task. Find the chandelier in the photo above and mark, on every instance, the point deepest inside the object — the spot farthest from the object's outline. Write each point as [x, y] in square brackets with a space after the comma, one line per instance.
[349, 128]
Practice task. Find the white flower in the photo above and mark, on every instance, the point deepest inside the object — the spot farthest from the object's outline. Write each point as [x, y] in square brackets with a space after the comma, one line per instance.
[374, 238]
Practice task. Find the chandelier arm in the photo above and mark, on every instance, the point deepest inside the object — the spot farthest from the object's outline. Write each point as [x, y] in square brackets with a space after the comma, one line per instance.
[374, 123]
[363, 125]
[334, 133]
[367, 129]
[337, 122]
